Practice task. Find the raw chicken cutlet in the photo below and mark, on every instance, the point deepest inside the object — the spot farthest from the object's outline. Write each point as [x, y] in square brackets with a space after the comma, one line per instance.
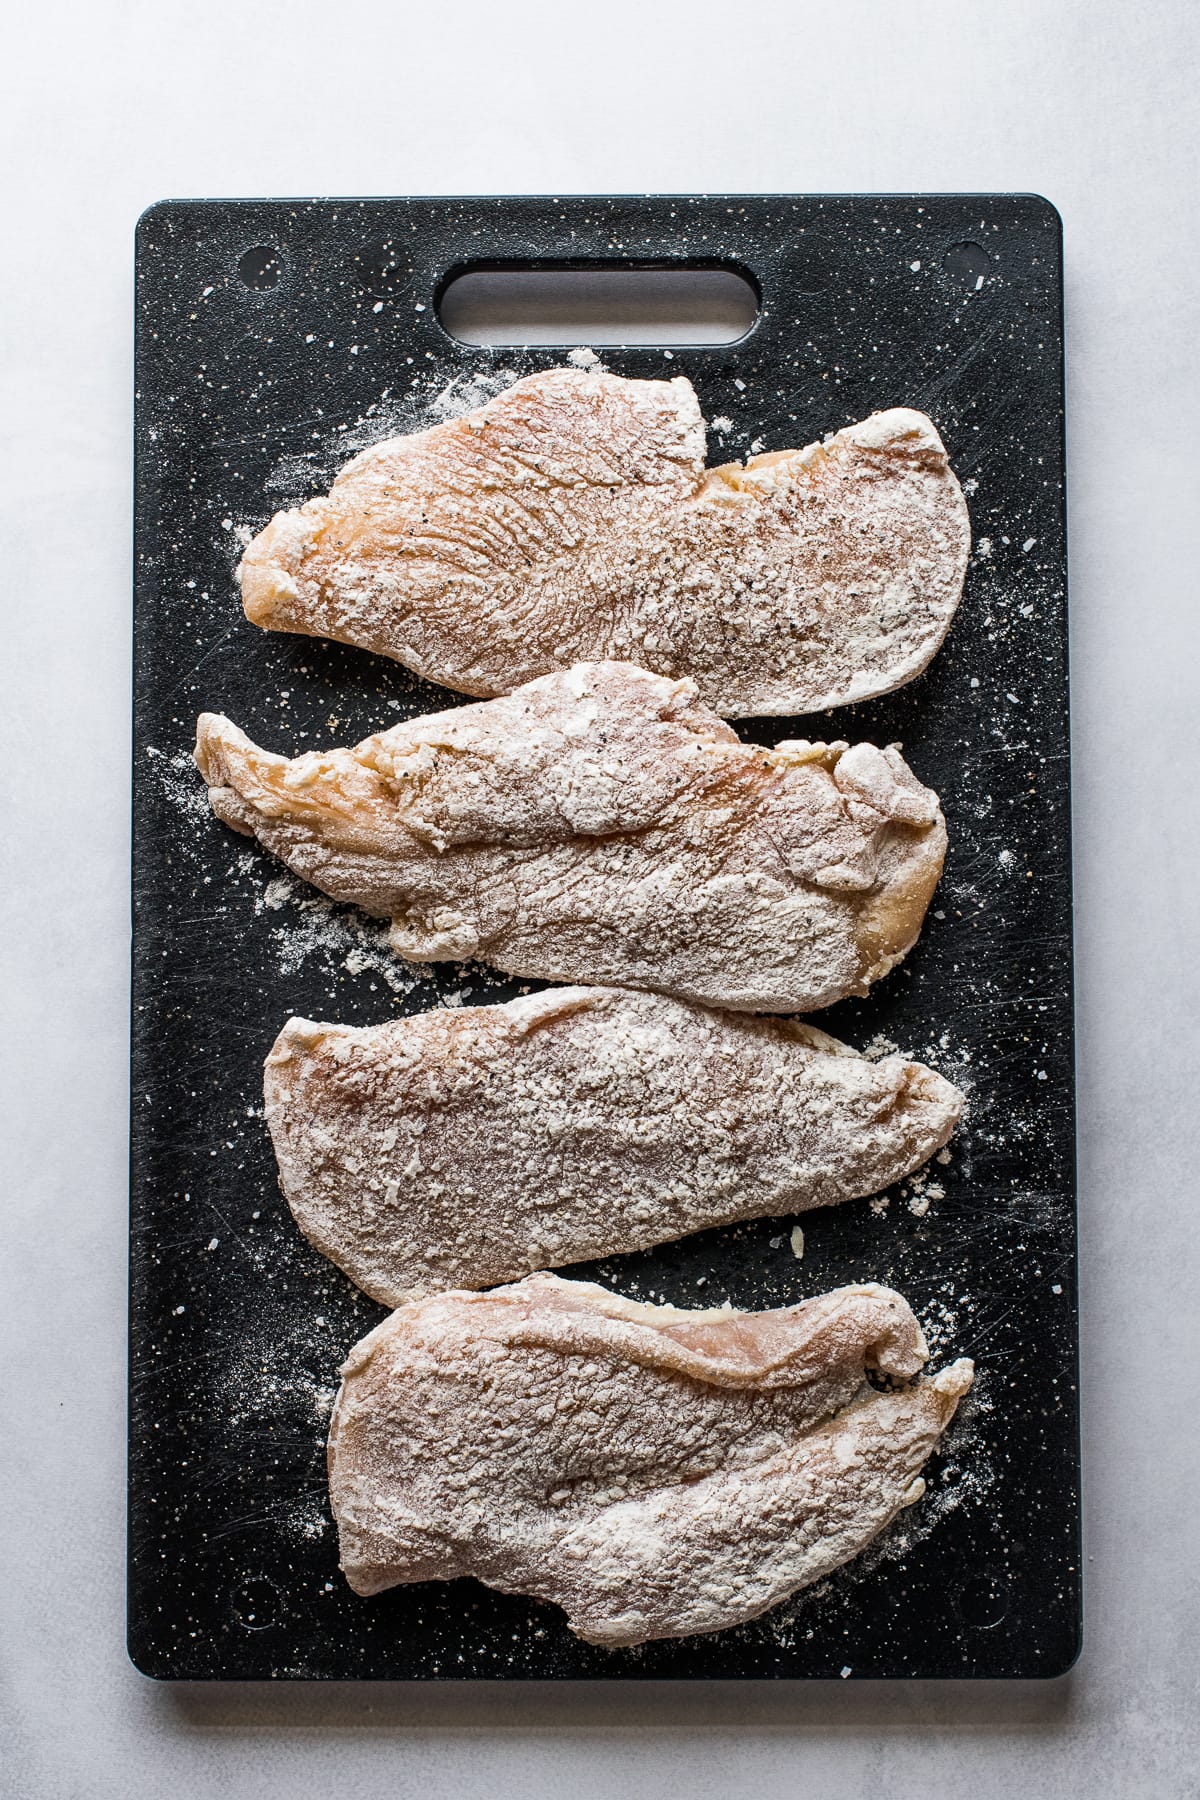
[572, 519]
[602, 825]
[465, 1147]
[654, 1472]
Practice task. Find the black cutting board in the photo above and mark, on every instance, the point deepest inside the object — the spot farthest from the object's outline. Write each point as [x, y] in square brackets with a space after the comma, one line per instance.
[274, 338]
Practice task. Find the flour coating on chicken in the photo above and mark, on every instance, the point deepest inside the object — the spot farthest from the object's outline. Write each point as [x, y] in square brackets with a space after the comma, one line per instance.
[466, 1147]
[654, 1472]
[572, 519]
[602, 825]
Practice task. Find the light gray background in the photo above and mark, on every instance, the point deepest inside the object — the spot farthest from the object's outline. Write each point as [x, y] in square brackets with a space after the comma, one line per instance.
[108, 107]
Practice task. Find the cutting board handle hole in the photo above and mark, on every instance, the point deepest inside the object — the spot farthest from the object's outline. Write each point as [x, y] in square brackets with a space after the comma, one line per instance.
[598, 303]
[261, 267]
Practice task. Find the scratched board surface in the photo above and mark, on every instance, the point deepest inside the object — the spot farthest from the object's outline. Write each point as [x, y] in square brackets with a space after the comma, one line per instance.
[274, 340]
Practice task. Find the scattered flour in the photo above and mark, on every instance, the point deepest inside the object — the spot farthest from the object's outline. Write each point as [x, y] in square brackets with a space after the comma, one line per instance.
[337, 935]
[961, 1474]
[181, 783]
[298, 475]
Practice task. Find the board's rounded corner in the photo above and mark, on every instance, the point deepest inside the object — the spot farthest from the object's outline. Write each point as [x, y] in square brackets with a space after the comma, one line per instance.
[151, 215]
[146, 1662]
[1072, 1650]
[1046, 209]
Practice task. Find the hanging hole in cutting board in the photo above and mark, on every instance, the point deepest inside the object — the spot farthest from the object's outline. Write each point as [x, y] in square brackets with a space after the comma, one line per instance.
[260, 267]
[382, 271]
[983, 1602]
[968, 262]
[628, 304]
[255, 1603]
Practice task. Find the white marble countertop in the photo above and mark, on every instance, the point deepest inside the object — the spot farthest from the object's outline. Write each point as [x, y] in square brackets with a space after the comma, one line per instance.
[106, 109]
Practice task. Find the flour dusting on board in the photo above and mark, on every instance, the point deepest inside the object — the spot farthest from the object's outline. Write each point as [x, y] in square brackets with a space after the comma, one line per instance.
[177, 777]
[266, 1375]
[339, 936]
[427, 401]
[961, 1474]
[311, 925]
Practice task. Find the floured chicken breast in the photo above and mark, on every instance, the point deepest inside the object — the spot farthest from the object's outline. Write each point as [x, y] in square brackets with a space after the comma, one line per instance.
[653, 1472]
[572, 519]
[602, 825]
[466, 1147]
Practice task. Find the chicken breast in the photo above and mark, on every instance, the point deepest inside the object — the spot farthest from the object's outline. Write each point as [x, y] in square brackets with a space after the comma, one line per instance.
[572, 519]
[654, 1472]
[465, 1147]
[601, 825]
